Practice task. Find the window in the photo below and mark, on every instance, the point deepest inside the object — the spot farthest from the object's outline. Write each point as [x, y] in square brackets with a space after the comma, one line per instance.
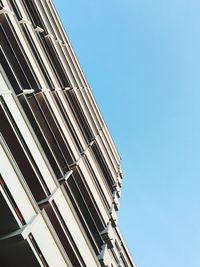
[54, 60]
[15, 55]
[33, 14]
[47, 147]
[79, 115]
[36, 54]
[15, 9]
[11, 200]
[84, 214]
[63, 234]
[25, 164]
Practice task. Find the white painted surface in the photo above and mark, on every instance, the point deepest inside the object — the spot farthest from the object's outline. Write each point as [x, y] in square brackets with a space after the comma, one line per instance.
[15, 187]
[75, 230]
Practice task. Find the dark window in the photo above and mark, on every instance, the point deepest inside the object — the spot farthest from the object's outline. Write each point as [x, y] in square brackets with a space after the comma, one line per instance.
[84, 214]
[103, 166]
[11, 65]
[1, 4]
[64, 237]
[47, 132]
[88, 198]
[10, 73]
[13, 50]
[39, 133]
[33, 14]
[11, 200]
[67, 120]
[8, 223]
[55, 128]
[54, 60]
[16, 9]
[20, 157]
[79, 115]
[38, 251]
[17, 252]
[96, 182]
[36, 54]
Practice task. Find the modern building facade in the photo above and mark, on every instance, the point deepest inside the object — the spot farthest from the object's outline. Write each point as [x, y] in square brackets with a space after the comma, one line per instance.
[60, 176]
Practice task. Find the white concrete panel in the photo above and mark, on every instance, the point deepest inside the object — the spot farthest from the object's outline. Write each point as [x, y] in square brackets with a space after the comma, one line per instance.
[108, 151]
[63, 126]
[17, 115]
[43, 55]
[86, 111]
[99, 177]
[46, 243]
[94, 191]
[75, 230]
[23, 43]
[107, 159]
[72, 119]
[15, 187]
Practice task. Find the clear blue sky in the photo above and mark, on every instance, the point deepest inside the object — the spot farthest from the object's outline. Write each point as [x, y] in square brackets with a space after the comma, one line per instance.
[142, 61]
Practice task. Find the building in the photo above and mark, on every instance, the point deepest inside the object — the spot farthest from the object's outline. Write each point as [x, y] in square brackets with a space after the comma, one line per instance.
[60, 176]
